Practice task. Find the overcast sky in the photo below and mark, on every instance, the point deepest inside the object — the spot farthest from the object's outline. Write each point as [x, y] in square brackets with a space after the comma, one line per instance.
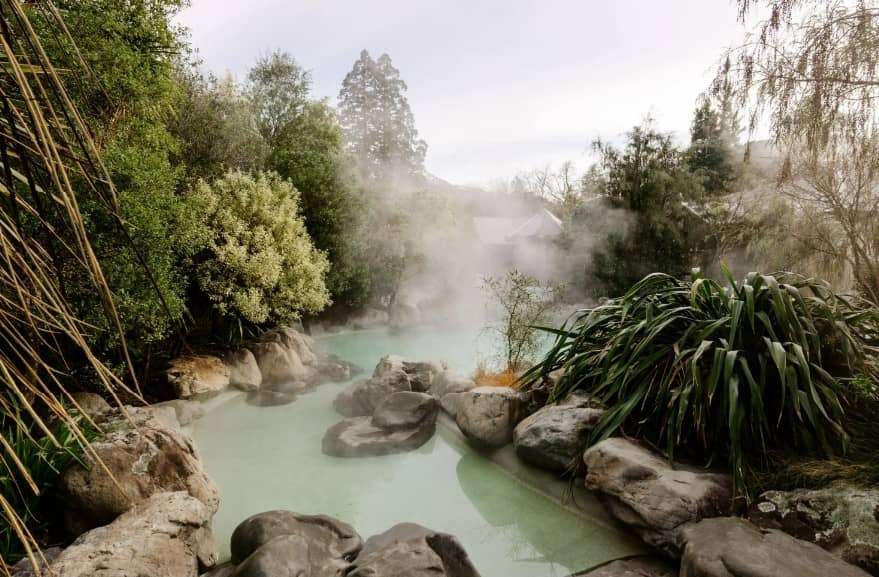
[496, 86]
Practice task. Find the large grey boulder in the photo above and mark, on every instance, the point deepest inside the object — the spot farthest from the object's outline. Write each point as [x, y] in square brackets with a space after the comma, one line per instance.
[422, 374]
[553, 438]
[634, 567]
[449, 382]
[363, 397]
[327, 539]
[359, 437]
[733, 547]
[145, 455]
[293, 340]
[488, 415]
[449, 403]
[410, 550]
[197, 375]
[841, 518]
[167, 535]
[244, 373]
[651, 496]
[91, 404]
[404, 410]
[278, 363]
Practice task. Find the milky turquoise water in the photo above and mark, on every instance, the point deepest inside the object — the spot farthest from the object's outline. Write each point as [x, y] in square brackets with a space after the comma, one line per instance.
[266, 458]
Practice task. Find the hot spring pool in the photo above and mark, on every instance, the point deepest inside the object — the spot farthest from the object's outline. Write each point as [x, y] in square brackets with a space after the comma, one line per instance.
[266, 458]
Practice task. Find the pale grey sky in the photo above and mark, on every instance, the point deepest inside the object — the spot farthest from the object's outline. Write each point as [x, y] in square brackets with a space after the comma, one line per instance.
[496, 86]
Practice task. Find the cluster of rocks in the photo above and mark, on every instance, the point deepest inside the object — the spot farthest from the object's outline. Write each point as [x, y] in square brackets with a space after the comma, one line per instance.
[140, 503]
[279, 543]
[274, 369]
[683, 512]
[393, 411]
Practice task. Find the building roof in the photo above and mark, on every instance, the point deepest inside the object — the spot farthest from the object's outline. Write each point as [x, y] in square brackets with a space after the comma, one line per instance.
[507, 230]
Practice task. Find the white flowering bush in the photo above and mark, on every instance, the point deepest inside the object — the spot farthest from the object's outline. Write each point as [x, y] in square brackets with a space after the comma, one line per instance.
[261, 265]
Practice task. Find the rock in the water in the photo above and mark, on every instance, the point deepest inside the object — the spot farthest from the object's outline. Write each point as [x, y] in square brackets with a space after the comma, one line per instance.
[410, 550]
[488, 415]
[646, 493]
[448, 382]
[92, 404]
[293, 340]
[24, 568]
[186, 411]
[358, 437]
[196, 375]
[553, 438]
[224, 570]
[167, 535]
[422, 374]
[244, 371]
[842, 518]
[278, 364]
[404, 410]
[327, 538]
[449, 403]
[732, 547]
[335, 371]
[363, 397]
[270, 398]
[147, 458]
[634, 567]
[288, 387]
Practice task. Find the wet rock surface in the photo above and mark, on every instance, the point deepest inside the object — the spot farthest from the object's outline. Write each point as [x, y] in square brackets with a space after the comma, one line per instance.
[147, 455]
[635, 567]
[243, 369]
[732, 547]
[654, 499]
[167, 535]
[422, 374]
[842, 519]
[553, 437]
[488, 415]
[411, 550]
[185, 411]
[359, 437]
[363, 397]
[197, 375]
[404, 410]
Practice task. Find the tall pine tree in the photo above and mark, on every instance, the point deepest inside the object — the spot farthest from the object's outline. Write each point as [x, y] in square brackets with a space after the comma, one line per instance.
[378, 124]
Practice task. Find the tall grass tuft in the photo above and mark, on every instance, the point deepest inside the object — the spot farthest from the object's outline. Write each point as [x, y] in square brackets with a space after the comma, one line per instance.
[726, 374]
[48, 162]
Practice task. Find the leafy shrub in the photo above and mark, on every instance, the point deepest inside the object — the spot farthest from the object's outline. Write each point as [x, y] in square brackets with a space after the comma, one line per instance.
[725, 373]
[41, 459]
[260, 264]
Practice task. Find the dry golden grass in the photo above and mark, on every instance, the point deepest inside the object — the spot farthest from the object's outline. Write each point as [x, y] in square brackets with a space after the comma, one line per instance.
[485, 377]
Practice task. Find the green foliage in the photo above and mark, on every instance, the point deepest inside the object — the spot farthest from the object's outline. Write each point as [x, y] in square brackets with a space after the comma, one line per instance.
[44, 461]
[725, 374]
[260, 264]
[309, 153]
[377, 122]
[710, 152]
[650, 179]
[278, 91]
[524, 303]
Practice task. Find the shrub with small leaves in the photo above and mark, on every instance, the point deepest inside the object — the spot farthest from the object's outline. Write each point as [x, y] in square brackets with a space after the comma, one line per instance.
[261, 265]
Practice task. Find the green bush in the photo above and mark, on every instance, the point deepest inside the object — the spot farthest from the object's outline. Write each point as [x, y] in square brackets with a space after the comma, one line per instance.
[720, 373]
[260, 264]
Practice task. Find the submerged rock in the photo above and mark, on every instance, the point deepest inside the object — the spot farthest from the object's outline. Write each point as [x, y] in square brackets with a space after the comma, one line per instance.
[646, 493]
[842, 518]
[145, 456]
[732, 547]
[411, 550]
[167, 535]
[244, 371]
[634, 567]
[327, 538]
[197, 375]
[488, 415]
[404, 410]
[270, 398]
[553, 437]
[359, 437]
